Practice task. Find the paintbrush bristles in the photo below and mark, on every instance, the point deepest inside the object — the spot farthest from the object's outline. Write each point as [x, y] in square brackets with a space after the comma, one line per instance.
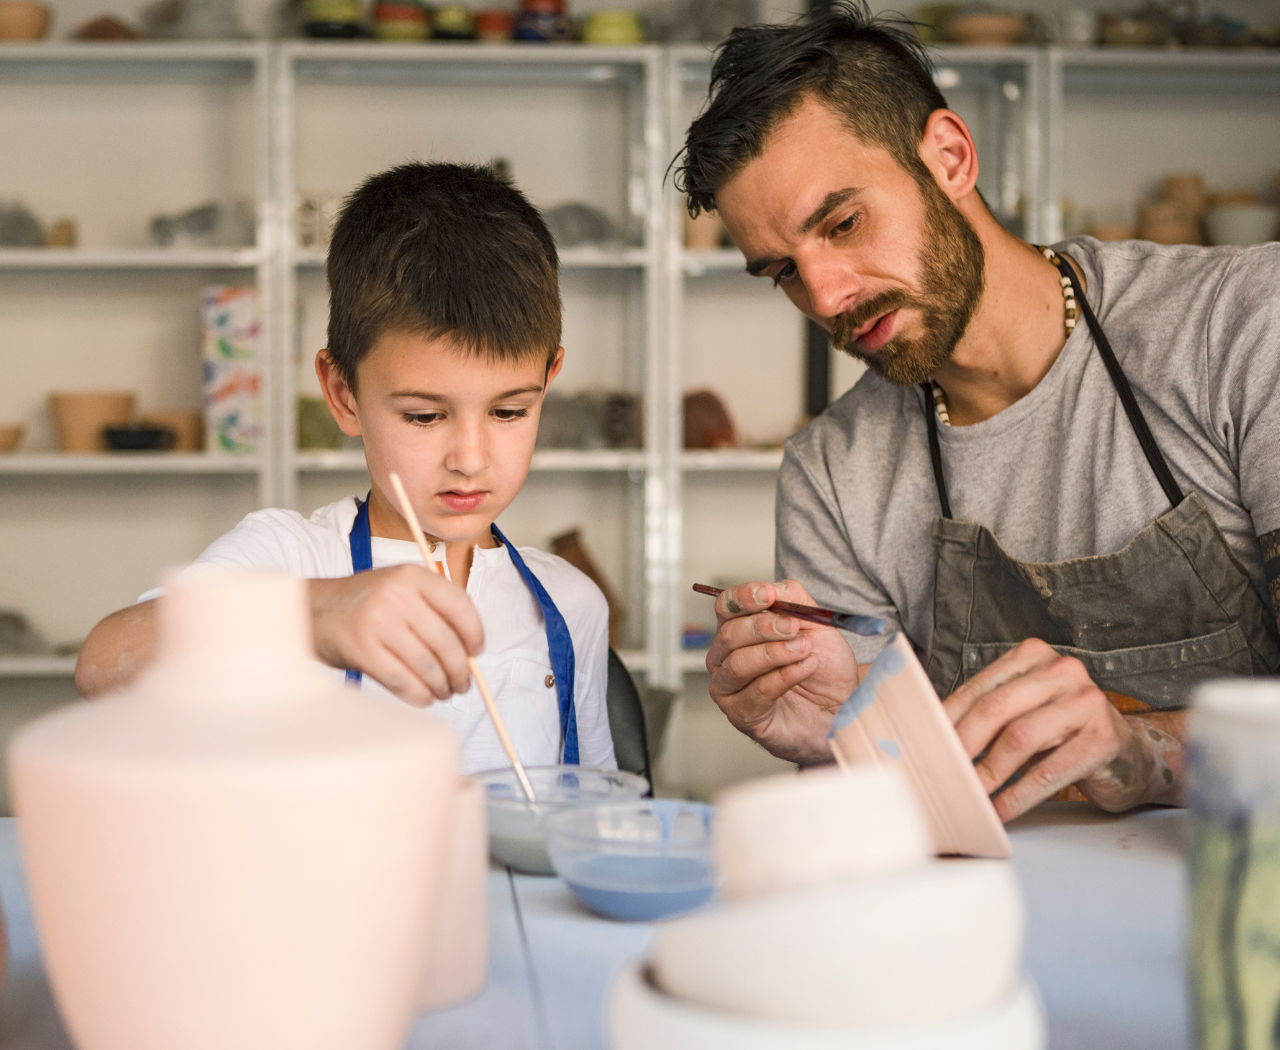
[504, 738]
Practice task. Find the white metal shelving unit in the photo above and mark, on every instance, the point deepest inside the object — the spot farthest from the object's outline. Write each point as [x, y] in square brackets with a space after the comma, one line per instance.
[636, 73]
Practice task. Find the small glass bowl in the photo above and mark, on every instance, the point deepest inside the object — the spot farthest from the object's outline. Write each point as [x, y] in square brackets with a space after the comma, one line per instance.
[642, 860]
[516, 837]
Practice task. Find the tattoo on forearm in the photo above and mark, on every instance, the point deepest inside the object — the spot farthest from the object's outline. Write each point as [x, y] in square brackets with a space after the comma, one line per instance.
[1271, 565]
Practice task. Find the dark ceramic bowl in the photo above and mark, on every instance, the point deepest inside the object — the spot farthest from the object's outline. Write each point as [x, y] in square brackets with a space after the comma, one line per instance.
[140, 437]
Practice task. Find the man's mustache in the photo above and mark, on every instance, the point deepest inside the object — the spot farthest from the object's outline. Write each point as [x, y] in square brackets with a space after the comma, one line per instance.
[844, 326]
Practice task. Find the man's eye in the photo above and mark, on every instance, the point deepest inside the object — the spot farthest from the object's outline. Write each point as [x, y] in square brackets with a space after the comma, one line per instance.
[422, 419]
[784, 273]
[847, 225]
[507, 415]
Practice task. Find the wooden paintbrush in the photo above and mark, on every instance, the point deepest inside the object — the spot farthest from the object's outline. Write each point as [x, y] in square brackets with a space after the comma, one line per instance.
[406, 509]
[853, 622]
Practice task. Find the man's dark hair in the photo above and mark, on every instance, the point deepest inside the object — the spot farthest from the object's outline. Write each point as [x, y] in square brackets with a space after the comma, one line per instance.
[442, 250]
[872, 72]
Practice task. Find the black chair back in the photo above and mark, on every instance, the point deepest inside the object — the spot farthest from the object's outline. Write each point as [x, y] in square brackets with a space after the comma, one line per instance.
[626, 720]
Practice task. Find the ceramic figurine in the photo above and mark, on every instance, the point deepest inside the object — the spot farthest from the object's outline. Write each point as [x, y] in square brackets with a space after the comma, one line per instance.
[458, 961]
[895, 717]
[233, 851]
[789, 832]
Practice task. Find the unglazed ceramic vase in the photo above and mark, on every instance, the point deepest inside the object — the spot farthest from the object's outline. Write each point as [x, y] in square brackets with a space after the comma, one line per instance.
[790, 832]
[895, 717]
[458, 953]
[234, 852]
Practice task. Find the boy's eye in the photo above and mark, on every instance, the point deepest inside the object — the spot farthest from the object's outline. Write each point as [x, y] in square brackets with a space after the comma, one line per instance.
[508, 415]
[423, 419]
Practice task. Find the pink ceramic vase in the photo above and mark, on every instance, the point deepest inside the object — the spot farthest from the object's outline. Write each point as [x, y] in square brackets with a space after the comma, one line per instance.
[458, 953]
[234, 852]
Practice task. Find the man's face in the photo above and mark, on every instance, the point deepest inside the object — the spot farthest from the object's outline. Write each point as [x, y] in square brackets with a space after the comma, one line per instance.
[889, 267]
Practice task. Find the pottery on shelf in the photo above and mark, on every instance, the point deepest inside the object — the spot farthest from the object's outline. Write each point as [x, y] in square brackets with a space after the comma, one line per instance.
[642, 1017]
[234, 851]
[457, 966]
[80, 418]
[986, 27]
[705, 232]
[11, 436]
[940, 940]
[187, 426]
[1166, 222]
[895, 717]
[1242, 224]
[23, 20]
[1186, 190]
[789, 832]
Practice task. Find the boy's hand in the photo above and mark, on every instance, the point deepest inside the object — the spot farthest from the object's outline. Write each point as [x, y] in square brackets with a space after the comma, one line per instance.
[407, 627]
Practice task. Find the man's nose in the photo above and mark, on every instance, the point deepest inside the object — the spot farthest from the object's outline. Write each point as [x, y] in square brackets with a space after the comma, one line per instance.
[832, 288]
[468, 451]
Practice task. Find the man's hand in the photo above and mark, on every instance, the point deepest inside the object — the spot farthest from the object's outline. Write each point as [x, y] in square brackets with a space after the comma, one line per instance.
[405, 626]
[1038, 713]
[778, 679]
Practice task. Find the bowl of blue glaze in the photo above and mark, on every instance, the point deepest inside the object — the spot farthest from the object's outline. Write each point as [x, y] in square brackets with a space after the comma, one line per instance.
[641, 860]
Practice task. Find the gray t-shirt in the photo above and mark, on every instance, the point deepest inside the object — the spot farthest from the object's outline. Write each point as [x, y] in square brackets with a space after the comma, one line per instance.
[1059, 474]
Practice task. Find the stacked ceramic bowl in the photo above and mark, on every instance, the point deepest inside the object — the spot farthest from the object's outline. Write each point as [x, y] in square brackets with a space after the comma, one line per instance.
[837, 930]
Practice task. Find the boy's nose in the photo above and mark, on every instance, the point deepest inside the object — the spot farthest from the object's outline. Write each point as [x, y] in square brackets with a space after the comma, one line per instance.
[468, 451]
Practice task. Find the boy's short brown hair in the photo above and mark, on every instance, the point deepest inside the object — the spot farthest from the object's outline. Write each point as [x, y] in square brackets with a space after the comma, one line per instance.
[442, 250]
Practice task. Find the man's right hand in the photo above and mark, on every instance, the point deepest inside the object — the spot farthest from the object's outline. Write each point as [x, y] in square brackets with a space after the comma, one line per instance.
[407, 627]
[778, 679]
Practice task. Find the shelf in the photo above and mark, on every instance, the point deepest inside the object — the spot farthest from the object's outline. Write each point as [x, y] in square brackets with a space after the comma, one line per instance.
[126, 463]
[732, 459]
[129, 258]
[634, 659]
[1162, 71]
[543, 460]
[37, 666]
[586, 258]
[720, 260]
[132, 61]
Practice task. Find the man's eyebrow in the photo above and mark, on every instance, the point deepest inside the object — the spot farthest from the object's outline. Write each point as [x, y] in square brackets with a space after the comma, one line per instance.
[830, 203]
[833, 200]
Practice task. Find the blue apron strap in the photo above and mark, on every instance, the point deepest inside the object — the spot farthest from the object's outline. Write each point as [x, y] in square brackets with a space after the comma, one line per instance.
[361, 558]
[560, 646]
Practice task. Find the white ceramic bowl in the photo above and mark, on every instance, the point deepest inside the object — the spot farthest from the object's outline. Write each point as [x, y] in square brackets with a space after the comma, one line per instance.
[786, 832]
[641, 1017]
[1242, 223]
[941, 939]
[516, 835]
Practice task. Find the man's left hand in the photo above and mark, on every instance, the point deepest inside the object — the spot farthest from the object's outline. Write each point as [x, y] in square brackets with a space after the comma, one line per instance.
[1038, 713]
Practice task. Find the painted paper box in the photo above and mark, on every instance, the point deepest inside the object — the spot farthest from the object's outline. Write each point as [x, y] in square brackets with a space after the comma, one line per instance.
[233, 364]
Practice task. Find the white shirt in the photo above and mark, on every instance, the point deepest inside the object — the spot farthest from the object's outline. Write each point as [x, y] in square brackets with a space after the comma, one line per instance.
[516, 660]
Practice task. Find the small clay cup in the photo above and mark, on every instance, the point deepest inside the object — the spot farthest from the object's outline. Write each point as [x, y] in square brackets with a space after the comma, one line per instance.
[987, 27]
[79, 418]
[703, 234]
[23, 20]
[1166, 223]
[1114, 231]
[11, 436]
[1186, 190]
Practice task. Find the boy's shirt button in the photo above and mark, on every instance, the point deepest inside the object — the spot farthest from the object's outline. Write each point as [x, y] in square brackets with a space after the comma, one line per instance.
[551, 680]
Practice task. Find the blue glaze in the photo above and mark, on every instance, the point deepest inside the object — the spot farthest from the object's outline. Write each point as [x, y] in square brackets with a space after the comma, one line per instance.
[640, 889]
[890, 748]
[890, 662]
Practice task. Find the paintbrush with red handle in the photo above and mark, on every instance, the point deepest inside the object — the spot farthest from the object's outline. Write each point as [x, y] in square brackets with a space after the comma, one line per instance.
[813, 614]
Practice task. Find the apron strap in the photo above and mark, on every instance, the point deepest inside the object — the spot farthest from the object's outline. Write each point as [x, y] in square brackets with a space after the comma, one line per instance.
[1136, 419]
[935, 452]
[361, 559]
[559, 645]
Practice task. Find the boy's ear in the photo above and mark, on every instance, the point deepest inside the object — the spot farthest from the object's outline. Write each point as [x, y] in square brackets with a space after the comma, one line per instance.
[338, 394]
[553, 369]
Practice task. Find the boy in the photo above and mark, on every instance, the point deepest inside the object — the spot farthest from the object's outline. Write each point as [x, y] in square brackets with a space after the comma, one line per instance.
[444, 333]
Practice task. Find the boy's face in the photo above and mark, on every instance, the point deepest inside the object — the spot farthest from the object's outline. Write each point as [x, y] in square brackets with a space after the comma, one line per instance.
[459, 429]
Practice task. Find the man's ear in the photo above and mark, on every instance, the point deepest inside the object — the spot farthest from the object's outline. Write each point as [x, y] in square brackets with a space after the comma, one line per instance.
[948, 152]
[338, 394]
[553, 369]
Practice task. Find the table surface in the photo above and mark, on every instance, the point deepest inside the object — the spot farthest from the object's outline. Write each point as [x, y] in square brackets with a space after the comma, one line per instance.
[1105, 903]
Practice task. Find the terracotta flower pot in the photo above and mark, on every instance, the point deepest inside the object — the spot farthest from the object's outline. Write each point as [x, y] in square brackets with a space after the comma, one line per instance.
[80, 417]
[11, 436]
[23, 20]
[188, 426]
[234, 851]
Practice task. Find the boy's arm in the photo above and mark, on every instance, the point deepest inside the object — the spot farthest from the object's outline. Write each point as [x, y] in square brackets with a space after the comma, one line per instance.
[405, 626]
[118, 648]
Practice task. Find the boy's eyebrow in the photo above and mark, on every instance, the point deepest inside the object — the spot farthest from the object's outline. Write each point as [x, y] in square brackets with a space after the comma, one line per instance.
[424, 395]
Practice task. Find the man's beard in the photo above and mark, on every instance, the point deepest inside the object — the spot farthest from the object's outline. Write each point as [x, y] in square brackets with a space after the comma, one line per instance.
[951, 278]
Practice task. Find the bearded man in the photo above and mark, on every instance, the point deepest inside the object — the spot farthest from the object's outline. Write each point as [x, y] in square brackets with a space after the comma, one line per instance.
[1058, 475]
